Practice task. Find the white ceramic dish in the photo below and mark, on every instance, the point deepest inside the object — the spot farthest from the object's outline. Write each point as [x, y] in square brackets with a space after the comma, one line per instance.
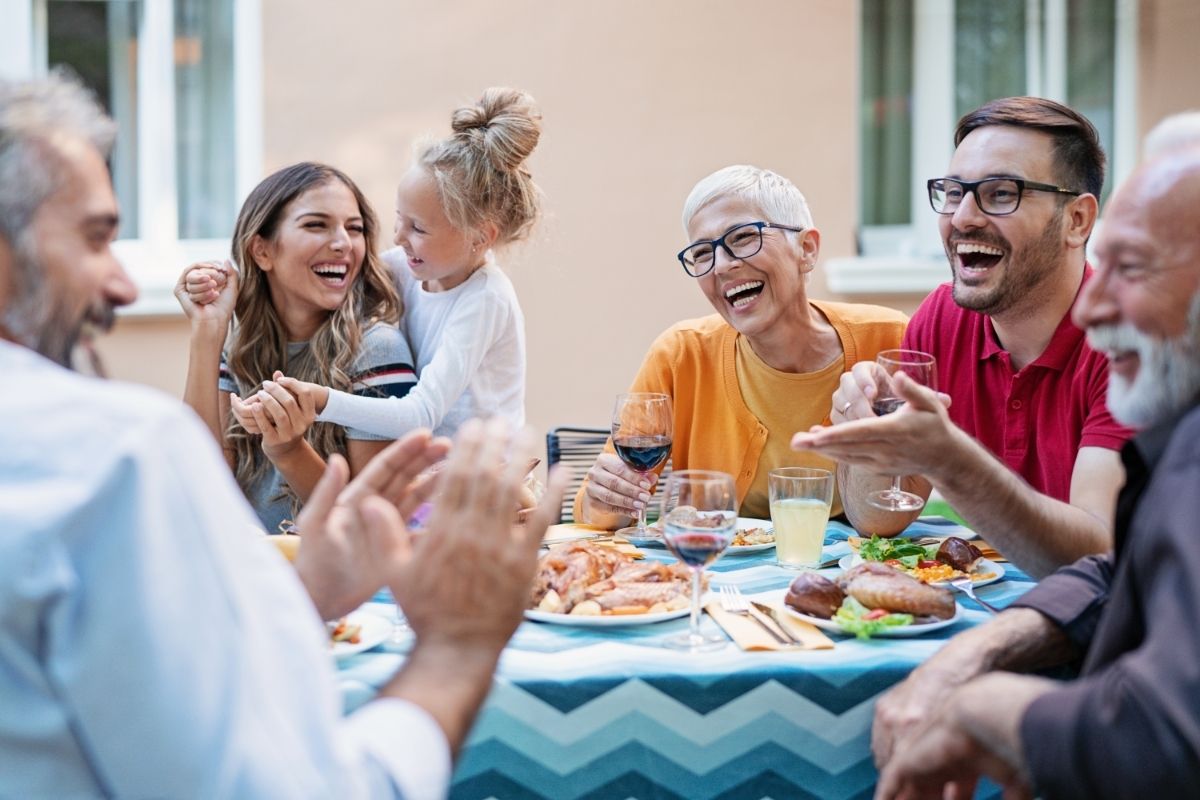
[891, 633]
[602, 621]
[743, 524]
[375, 631]
[985, 566]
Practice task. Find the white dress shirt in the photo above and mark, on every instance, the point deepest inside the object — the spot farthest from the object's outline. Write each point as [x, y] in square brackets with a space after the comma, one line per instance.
[152, 645]
[469, 344]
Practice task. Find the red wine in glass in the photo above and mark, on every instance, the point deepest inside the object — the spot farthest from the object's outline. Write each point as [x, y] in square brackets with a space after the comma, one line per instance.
[642, 429]
[699, 521]
[643, 453]
[697, 550]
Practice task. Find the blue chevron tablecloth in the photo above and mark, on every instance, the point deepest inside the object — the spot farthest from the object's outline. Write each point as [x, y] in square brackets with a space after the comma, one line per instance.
[610, 713]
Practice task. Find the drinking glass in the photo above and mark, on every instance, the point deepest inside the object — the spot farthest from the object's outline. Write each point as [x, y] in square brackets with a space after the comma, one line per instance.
[642, 427]
[800, 500]
[920, 368]
[699, 521]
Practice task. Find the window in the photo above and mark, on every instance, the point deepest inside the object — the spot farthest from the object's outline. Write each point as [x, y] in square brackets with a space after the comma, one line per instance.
[924, 63]
[189, 135]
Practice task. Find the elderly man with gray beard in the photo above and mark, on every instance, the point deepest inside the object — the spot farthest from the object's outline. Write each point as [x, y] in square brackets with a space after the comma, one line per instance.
[1129, 726]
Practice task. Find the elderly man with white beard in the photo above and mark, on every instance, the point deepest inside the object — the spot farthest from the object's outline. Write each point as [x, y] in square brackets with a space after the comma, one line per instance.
[1129, 725]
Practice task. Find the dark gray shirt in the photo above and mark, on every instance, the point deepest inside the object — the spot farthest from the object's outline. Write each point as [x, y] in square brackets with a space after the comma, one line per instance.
[1129, 727]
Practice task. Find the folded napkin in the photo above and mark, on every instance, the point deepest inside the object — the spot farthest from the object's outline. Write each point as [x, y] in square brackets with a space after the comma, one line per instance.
[989, 552]
[749, 635]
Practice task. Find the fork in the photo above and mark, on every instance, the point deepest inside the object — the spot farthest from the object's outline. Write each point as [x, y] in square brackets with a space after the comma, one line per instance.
[965, 586]
[733, 601]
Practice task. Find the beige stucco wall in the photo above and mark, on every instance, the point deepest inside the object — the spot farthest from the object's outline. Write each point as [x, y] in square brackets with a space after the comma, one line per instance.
[1167, 36]
[640, 99]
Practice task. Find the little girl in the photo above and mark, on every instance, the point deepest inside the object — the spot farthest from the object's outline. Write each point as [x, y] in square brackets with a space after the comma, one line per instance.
[464, 196]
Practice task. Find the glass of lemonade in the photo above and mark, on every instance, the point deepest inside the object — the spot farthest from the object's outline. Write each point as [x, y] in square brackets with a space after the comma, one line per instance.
[800, 500]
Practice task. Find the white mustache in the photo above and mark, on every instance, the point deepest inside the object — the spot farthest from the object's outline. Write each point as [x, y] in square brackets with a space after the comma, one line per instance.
[1119, 338]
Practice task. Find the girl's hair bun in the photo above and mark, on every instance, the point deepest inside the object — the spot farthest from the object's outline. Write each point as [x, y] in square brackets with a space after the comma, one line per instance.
[504, 126]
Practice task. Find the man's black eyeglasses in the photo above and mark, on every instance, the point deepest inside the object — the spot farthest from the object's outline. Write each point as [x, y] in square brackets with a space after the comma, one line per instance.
[741, 241]
[996, 197]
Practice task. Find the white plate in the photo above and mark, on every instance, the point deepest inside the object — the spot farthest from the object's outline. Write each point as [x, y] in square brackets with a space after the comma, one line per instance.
[582, 536]
[743, 524]
[748, 548]
[375, 631]
[985, 565]
[903, 631]
[601, 621]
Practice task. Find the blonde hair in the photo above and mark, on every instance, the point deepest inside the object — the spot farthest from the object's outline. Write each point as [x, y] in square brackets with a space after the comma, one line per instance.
[773, 195]
[258, 344]
[479, 170]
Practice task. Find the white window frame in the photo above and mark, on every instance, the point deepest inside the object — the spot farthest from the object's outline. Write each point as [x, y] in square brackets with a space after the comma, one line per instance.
[909, 258]
[155, 259]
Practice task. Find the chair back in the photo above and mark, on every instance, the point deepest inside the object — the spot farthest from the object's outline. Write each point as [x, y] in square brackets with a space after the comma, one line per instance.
[577, 449]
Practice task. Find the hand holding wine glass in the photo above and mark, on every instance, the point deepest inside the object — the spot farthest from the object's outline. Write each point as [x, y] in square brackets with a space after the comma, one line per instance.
[920, 368]
[699, 521]
[642, 429]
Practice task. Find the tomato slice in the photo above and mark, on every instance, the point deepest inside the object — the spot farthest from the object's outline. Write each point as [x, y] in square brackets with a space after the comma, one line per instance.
[876, 613]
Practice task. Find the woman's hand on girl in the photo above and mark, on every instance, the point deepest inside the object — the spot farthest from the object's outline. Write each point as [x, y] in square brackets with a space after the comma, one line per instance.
[281, 417]
[313, 394]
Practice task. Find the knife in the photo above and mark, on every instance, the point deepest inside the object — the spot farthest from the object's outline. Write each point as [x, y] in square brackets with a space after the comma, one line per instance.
[763, 608]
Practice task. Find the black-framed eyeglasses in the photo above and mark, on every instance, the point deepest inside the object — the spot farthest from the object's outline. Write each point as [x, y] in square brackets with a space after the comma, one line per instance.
[740, 241]
[995, 197]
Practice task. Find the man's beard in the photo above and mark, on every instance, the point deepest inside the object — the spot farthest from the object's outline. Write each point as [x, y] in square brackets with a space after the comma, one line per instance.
[38, 320]
[1168, 376]
[1027, 269]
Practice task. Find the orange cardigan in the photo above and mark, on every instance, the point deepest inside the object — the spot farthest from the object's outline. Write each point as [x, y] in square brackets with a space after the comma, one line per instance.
[693, 362]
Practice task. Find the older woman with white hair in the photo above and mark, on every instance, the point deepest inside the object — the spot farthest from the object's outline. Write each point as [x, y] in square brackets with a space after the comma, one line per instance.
[764, 366]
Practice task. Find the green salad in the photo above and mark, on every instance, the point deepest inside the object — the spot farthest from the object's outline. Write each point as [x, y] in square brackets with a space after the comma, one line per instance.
[900, 549]
[863, 622]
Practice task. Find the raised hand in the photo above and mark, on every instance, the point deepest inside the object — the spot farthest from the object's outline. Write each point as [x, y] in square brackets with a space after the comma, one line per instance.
[344, 554]
[911, 441]
[207, 292]
[468, 579]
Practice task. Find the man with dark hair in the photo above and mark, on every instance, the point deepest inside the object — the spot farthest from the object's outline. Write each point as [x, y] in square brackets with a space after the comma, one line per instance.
[151, 644]
[1129, 726]
[1026, 451]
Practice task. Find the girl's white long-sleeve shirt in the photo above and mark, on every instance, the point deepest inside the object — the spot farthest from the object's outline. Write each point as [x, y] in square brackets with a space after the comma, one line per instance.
[469, 345]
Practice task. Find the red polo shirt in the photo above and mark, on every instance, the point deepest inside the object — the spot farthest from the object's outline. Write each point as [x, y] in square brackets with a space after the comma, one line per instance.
[1036, 419]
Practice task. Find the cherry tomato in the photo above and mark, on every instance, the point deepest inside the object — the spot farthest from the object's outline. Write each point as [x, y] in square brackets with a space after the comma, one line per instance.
[928, 563]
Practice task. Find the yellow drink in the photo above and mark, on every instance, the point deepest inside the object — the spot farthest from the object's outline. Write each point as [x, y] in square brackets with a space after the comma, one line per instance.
[799, 530]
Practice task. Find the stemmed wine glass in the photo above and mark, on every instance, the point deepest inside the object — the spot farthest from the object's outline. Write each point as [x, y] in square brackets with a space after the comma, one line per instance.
[920, 368]
[642, 427]
[699, 521]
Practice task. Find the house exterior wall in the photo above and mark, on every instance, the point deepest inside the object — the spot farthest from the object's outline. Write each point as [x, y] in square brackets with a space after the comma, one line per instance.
[640, 101]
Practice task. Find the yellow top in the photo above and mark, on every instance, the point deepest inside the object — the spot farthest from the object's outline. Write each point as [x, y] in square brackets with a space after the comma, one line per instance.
[695, 363]
[785, 402]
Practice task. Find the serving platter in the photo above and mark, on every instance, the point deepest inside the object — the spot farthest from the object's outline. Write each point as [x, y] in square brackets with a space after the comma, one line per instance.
[984, 566]
[915, 629]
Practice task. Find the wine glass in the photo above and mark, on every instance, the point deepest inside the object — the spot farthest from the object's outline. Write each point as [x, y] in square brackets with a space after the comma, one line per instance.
[699, 521]
[642, 427]
[920, 368]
